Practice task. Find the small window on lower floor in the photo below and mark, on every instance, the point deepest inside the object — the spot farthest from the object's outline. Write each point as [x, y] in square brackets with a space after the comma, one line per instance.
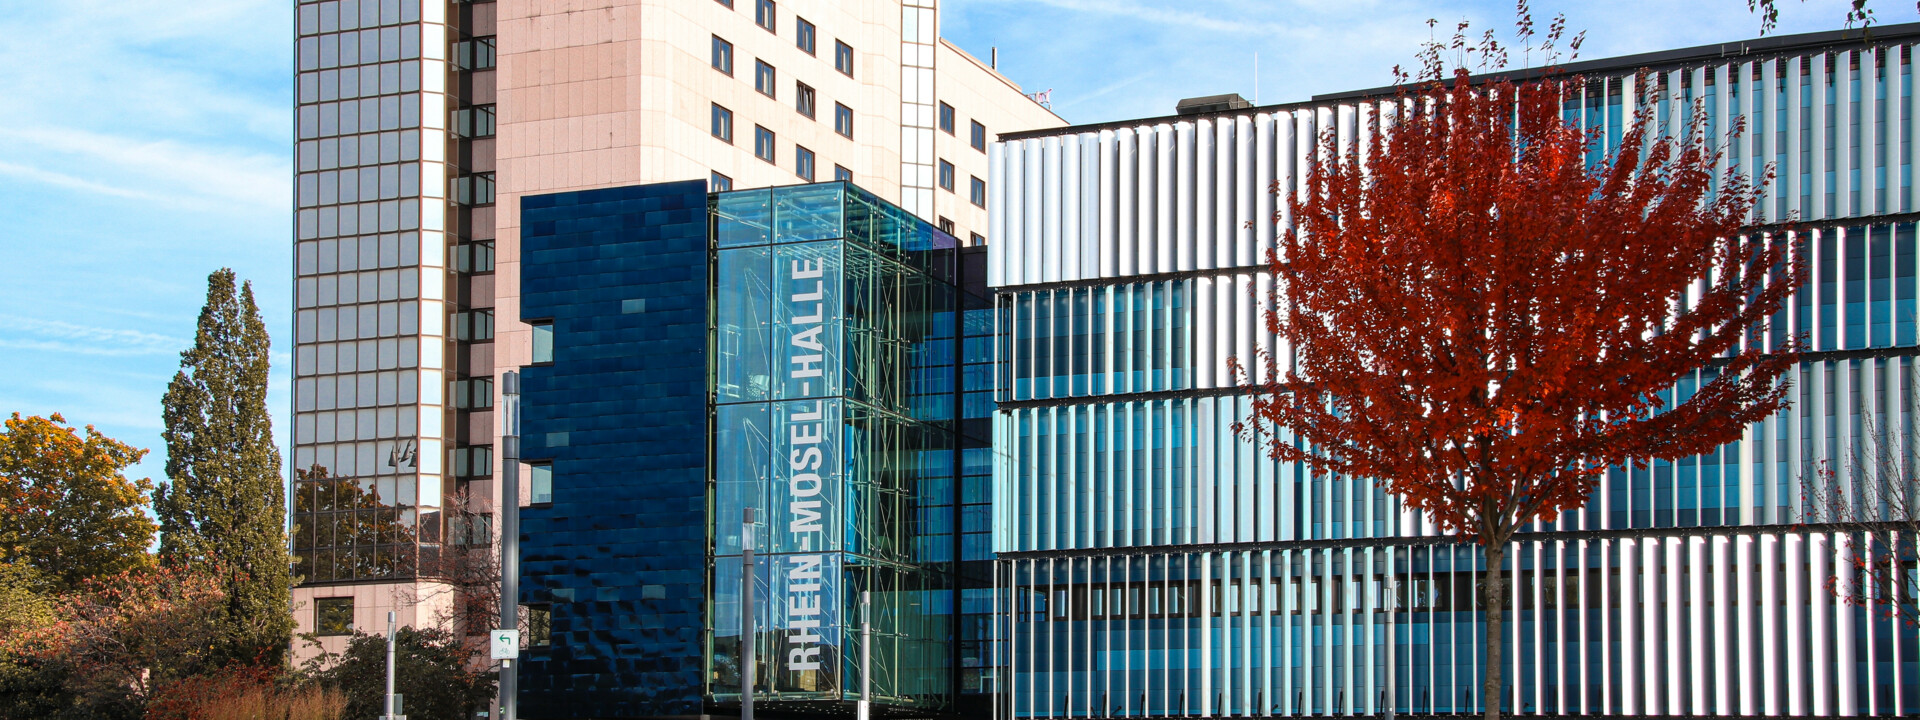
[721, 183]
[803, 163]
[976, 239]
[542, 342]
[841, 174]
[541, 483]
[946, 225]
[333, 616]
[539, 625]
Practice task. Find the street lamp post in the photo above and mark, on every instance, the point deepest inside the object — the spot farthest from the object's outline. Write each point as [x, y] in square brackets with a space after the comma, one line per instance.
[509, 531]
[746, 615]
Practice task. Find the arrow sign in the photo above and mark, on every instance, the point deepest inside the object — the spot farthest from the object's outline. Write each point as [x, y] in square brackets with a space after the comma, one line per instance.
[506, 644]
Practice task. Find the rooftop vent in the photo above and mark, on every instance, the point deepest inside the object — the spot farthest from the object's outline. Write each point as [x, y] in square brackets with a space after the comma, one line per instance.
[1212, 103]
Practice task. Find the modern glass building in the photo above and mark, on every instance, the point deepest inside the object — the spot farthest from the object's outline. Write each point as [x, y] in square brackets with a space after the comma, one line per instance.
[1153, 563]
[798, 352]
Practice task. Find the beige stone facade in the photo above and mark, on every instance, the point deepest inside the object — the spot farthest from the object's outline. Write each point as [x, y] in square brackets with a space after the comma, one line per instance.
[521, 97]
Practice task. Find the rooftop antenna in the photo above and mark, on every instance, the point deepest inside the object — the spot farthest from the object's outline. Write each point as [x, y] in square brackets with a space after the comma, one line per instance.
[993, 57]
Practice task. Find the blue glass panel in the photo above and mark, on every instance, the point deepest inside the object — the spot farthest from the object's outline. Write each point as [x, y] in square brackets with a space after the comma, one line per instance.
[742, 325]
[743, 218]
[807, 212]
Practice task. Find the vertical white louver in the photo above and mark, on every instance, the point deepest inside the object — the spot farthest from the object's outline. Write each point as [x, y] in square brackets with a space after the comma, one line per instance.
[1683, 589]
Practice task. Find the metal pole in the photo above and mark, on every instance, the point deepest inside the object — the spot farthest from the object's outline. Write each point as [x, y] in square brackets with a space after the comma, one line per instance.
[389, 703]
[1393, 608]
[746, 615]
[509, 532]
[866, 655]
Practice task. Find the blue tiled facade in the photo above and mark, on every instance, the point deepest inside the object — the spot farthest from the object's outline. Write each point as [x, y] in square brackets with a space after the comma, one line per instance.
[620, 557]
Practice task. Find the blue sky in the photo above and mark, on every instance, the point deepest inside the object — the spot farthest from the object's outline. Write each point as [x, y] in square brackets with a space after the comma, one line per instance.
[144, 145]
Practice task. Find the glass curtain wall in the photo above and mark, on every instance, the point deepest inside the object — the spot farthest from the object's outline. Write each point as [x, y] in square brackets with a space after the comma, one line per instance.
[369, 324]
[834, 344]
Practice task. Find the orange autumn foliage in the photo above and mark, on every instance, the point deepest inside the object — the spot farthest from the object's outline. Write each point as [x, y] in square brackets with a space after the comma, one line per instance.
[1482, 321]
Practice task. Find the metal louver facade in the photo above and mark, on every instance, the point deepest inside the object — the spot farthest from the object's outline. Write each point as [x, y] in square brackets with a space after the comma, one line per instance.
[1154, 563]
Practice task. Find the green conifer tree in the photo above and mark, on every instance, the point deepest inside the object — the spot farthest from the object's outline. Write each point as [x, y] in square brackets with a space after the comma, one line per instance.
[224, 505]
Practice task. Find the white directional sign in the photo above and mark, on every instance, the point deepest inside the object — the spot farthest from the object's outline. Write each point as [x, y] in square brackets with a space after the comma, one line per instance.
[506, 644]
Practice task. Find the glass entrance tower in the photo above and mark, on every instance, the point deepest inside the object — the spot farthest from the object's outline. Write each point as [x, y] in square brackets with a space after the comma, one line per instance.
[791, 350]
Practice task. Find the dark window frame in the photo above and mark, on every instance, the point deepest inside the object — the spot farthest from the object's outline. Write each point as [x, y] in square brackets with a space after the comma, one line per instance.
[843, 57]
[803, 163]
[539, 624]
[534, 332]
[721, 124]
[719, 182]
[766, 78]
[977, 191]
[766, 14]
[946, 120]
[842, 174]
[944, 175]
[722, 52]
[805, 36]
[322, 619]
[760, 133]
[533, 488]
[843, 120]
[946, 225]
[977, 136]
[805, 99]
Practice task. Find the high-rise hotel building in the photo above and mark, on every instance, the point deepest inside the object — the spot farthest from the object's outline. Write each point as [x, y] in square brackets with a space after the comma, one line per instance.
[1152, 563]
[421, 123]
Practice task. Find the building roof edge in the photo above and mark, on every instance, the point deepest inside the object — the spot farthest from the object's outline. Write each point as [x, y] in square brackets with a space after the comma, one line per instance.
[1655, 59]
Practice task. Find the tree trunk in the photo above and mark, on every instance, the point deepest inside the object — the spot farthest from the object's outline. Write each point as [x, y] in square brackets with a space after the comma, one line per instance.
[1496, 607]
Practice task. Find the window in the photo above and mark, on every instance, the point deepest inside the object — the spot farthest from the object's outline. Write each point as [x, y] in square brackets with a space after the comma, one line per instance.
[722, 56]
[763, 143]
[540, 476]
[803, 163]
[843, 120]
[475, 54]
[542, 342]
[473, 393]
[723, 124]
[979, 138]
[843, 58]
[473, 122]
[720, 183]
[803, 99]
[333, 616]
[474, 189]
[804, 38]
[977, 192]
[946, 225]
[946, 176]
[946, 118]
[728, 3]
[476, 257]
[841, 174]
[539, 625]
[471, 529]
[476, 461]
[976, 239]
[763, 16]
[763, 77]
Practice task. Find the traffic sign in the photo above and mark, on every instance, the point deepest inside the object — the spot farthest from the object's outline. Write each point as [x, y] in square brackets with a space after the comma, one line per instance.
[506, 644]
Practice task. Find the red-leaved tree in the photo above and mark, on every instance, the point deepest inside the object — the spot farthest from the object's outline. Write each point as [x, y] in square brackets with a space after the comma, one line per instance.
[1483, 322]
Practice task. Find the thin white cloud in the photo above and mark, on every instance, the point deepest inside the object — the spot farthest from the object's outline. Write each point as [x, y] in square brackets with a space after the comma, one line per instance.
[1170, 16]
[226, 174]
[24, 333]
[58, 179]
